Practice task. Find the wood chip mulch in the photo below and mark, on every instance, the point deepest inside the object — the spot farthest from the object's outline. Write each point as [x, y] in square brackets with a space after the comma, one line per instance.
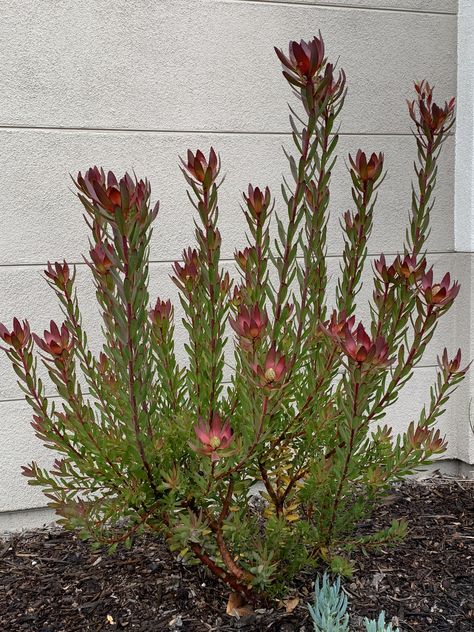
[52, 582]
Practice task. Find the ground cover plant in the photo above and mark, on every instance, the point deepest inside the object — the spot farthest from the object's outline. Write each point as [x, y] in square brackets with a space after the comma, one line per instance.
[329, 610]
[154, 445]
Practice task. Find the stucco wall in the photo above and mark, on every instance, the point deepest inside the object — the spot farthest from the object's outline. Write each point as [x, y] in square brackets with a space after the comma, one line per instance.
[133, 83]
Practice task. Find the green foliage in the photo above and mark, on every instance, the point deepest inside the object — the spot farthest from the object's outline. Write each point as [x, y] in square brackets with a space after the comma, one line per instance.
[143, 442]
[329, 610]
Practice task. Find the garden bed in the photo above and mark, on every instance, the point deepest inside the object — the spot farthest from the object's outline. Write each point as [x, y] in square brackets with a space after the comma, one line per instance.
[51, 582]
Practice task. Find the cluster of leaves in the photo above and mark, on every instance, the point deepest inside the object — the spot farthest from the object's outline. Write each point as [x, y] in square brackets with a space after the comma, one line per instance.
[146, 443]
[329, 610]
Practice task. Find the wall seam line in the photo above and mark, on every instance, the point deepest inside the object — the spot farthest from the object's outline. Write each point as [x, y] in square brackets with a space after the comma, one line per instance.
[332, 6]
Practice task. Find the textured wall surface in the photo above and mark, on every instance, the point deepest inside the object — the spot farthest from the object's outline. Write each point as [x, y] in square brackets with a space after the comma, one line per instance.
[133, 83]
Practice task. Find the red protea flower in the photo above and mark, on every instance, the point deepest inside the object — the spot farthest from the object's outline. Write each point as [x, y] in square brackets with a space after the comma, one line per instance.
[249, 323]
[258, 202]
[188, 273]
[273, 370]
[429, 117]
[367, 170]
[59, 274]
[438, 293]
[56, 342]
[409, 266]
[388, 273]
[18, 337]
[110, 194]
[102, 257]
[336, 326]
[358, 346]
[161, 313]
[243, 257]
[203, 170]
[304, 59]
[214, 436]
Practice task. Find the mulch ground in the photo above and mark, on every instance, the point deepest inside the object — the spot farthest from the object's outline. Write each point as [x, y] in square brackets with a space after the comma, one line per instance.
[52, 582]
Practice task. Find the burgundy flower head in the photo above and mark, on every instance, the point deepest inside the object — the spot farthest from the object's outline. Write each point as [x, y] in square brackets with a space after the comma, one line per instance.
[249, 323]
[161, 313]
[422, 437]
[358, 346]
[57, 342]
[438, 294]
[273, 370]
[367, 170]
[336, 326]
[58, 273]
[411, 267]
[388, 273]
[18, 337]
[215, 437]
[110, 194]
[201, 169]
[243, 257]
[453, 366]
[102, 257]
[257, 202]
[304, 59]
[186, 273]
[430, 118]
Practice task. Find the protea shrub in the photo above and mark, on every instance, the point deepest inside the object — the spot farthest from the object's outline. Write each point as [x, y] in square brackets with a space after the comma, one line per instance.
[144, 443]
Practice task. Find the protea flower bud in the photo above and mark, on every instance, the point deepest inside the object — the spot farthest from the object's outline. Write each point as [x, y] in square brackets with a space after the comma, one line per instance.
[451, 367]
[203, 170]
[367, 170]
[18, 337]
[353, 222]
[258, 202]
[358, 346]
[161, 313]
[188, 273]
[388, 273]
[273, 370]
[304, 59]
[249, 323]
[226, 283]
[315, 197]
[103, 366]
[214, 437]
[59, 274]
[243, 257]
[57, 342]
[336, 326]
[430, 118]
[421, 437]
[102, 255]
[236, 299]
[438, 294]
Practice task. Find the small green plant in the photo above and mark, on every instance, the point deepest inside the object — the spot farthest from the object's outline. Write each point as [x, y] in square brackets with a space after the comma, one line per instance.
[143, 442]
[329, 610]
[379, 625]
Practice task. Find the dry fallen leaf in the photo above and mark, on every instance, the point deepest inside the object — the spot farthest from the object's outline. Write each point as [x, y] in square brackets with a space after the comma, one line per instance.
[236, 606]
[290, 604]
